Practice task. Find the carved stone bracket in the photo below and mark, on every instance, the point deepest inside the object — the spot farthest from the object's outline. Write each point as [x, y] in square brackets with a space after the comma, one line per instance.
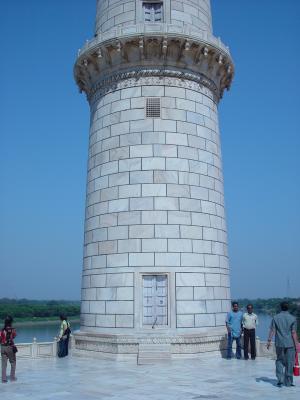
[102, 66]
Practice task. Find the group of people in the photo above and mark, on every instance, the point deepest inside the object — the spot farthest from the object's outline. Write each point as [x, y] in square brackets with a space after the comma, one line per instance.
[237, 323]
[9, 349]
[283, 326]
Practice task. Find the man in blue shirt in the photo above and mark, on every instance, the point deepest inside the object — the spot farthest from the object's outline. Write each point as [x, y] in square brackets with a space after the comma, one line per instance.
[234, 328]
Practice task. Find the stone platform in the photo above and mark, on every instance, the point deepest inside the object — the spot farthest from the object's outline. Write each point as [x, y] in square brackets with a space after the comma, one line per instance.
[131, 347]
[210, 377]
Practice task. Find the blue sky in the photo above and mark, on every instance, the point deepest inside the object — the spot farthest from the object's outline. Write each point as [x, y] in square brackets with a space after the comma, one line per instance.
[44, 131]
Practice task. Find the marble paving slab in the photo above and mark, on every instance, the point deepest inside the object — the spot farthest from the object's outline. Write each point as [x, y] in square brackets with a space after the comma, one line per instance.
[210, 377]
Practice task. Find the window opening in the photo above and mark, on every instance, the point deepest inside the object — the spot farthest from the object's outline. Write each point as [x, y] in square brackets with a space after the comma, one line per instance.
[153, 12]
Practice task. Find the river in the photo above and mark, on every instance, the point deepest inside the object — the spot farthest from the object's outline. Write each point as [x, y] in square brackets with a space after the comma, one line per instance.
[46, 332]
[43, 332]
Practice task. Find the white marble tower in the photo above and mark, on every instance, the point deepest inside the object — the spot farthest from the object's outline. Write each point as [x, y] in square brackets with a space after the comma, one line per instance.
[155, 260]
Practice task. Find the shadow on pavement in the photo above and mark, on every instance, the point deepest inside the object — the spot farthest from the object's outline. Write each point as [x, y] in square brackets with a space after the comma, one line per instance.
[267, 380]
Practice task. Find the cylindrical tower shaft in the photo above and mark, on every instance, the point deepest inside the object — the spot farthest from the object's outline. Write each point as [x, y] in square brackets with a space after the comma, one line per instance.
[155, 262]
[195, 15]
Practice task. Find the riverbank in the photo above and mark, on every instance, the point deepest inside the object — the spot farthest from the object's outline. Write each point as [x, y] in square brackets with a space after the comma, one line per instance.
[32, 311]
[271, 306]
[36, 322]
[46, 331]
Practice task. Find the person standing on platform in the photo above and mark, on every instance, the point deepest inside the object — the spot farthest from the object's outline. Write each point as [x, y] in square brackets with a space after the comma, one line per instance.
[284, 326]
[63, 337]
[234, 330]
[249, 323]
[8, 349]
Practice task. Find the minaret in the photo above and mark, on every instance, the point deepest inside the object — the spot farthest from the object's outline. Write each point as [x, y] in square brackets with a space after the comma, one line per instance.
[155, 252]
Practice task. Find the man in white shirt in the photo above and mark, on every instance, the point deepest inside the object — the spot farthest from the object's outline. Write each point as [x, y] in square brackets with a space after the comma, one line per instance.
[249, 323]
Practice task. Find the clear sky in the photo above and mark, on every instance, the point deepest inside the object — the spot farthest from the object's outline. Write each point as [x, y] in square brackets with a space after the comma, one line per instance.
[44, 132]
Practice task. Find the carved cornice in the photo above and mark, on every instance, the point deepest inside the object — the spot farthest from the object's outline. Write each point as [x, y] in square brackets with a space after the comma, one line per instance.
[136, 57]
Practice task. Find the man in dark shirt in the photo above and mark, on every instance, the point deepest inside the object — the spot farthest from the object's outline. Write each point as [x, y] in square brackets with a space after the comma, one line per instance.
[284, 326]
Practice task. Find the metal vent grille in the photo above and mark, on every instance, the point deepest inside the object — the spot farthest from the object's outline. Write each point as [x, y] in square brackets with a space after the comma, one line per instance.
[153, 107]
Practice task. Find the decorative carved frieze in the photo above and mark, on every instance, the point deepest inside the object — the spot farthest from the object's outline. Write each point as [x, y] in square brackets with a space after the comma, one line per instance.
[143, 339]
[123, 344]
[153, 76]
[104, 65]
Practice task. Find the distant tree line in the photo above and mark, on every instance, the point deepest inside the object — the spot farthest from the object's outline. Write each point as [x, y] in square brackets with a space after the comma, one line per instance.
[30, 309]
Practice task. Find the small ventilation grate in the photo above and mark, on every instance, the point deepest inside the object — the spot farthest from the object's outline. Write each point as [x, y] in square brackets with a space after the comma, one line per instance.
[153, 107]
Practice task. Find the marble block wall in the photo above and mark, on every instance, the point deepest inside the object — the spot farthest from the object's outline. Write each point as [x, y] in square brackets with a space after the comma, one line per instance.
[155, 204]
[194, 14]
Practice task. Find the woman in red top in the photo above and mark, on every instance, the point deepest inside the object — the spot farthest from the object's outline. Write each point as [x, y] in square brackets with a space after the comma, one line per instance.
[8, 349]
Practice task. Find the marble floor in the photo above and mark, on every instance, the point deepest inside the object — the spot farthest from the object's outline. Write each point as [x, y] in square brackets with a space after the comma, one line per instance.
[207, 378]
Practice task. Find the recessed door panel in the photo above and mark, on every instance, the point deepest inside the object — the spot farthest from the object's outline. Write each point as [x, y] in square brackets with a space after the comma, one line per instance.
[155, 300]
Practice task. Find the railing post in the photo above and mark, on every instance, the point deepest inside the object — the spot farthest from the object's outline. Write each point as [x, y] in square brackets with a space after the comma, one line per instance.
[257, 344]
[72, 344]
[55, 346]
[34, 348]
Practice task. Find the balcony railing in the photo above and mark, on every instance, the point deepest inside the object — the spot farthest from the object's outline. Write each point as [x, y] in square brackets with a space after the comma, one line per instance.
[40, 349]
[49, 349]
[160, 29]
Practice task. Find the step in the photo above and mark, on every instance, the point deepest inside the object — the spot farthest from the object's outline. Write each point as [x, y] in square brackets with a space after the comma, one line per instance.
[154, 353]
